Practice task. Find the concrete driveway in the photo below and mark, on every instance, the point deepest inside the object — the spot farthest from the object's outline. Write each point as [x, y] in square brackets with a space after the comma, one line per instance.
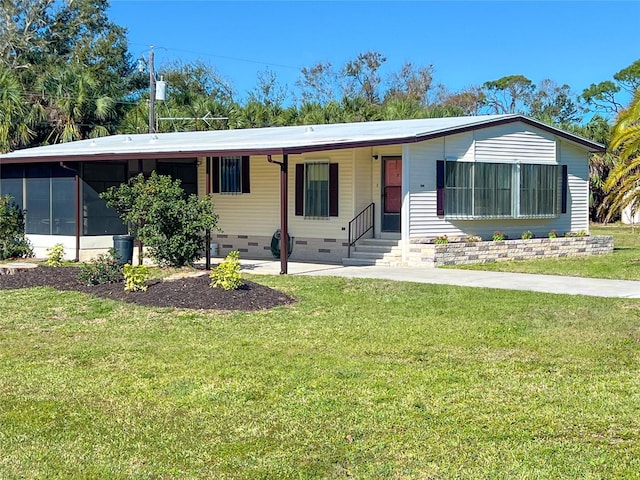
[466, 278]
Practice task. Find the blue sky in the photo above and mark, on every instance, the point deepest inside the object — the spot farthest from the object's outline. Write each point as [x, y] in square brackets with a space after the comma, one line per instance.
[467, 42]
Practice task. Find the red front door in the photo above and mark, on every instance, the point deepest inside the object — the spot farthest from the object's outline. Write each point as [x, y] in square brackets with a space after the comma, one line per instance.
[391, 193]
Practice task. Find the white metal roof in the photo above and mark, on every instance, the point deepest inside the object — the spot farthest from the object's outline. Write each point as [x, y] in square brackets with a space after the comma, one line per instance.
[274, 140]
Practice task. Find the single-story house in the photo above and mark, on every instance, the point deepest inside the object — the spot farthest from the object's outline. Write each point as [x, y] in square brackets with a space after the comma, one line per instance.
[402, 183]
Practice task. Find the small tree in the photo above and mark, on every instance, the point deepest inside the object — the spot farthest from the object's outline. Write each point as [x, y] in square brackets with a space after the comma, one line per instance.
[13, 243]
[171, 224]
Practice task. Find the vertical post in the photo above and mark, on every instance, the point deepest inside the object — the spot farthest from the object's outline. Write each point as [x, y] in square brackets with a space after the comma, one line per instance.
[152, 93]
[284, 214]
[207, 190]
[77, 215]
[140, 248]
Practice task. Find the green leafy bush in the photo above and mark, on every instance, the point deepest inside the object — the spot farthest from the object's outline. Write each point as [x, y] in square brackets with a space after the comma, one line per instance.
[553, 233]
[473, 238]
[135, 277]
[55, 255]
[227, 274]
[105, 268]
[499, 236]
[528, 235]
[13, 242]
[172, 225]
[441, 240]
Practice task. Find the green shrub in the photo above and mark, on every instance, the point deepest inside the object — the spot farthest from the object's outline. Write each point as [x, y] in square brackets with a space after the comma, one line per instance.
[135, 278]
[528, 235]
[55, 255]
[473, 238]
[553, 233]
[105, 268]
[159, 213]
[499, 236]
[13, 242]
[227, 274]
[441, 240]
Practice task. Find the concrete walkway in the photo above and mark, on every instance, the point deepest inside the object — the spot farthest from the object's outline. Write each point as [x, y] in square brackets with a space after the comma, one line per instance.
[467, 278]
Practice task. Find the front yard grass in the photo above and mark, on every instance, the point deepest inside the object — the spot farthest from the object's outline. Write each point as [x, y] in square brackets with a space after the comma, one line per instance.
[622, 264]
[360, 379]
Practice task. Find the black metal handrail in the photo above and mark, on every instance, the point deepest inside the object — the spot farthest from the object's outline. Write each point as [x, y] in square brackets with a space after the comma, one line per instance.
[360, 225]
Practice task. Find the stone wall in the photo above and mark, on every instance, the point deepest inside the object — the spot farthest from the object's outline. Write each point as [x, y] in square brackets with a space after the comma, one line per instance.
[465, 253]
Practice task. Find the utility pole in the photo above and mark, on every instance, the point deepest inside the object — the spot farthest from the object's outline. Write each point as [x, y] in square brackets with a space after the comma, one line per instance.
[152, 93]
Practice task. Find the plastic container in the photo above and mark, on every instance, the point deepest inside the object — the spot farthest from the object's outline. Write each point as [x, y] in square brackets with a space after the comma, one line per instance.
[123, 245]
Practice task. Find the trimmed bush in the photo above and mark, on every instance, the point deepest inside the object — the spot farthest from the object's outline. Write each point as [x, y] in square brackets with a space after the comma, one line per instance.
[105, 268]
[55, 255]
[158, 212]
[227, 274]
[135, 277]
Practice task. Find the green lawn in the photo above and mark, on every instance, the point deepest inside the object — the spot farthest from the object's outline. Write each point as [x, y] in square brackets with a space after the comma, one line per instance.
[622, 264]
[360, 379]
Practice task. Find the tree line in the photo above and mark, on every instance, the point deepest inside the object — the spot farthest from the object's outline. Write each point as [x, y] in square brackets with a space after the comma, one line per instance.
[66, 73]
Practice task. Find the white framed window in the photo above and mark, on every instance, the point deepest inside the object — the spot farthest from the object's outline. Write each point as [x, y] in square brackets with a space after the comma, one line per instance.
[501, 190]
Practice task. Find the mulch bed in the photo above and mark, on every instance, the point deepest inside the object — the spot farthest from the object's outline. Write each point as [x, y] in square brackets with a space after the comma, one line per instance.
[188, 292]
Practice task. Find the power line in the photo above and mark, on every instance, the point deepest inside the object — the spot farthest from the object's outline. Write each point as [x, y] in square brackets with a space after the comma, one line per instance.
[226, 57]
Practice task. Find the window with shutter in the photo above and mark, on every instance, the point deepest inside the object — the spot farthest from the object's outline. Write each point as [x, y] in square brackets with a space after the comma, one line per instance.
[316, 190]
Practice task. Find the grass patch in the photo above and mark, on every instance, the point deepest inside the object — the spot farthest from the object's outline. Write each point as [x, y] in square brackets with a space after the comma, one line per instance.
[622, 264]
[361, 378]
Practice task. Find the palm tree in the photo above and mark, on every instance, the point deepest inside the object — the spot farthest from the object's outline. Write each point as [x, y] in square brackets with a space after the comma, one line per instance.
[16, 115]
[623, 183]
[76, 106]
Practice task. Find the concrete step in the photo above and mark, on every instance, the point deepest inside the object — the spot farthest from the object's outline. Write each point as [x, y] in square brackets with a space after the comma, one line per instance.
[377, 248]
[378, 242]
[375, 251]
[371, 255]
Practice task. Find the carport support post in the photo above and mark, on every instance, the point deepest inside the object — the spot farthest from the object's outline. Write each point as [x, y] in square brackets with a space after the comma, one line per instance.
[284, 213]
[207, 253]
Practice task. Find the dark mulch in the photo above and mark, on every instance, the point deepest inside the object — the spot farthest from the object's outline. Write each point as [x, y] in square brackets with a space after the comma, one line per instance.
[188, 292]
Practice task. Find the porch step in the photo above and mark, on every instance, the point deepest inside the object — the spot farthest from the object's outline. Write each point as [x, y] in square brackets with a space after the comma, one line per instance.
[374, 251]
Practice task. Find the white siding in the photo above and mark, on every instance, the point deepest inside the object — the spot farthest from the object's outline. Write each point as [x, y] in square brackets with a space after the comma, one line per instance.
[514, 142]
[577, 161]
[424, 221]
[458, 147]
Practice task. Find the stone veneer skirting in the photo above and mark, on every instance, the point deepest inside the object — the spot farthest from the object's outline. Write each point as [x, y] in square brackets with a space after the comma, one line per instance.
[324, 250]
[465, 253]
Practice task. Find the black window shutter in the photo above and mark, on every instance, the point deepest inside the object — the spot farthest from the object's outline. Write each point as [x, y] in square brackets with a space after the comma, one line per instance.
[333, 189]
[245, 175]
[565, 189]
[440, 187]
[299, 189]
[215, 174]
